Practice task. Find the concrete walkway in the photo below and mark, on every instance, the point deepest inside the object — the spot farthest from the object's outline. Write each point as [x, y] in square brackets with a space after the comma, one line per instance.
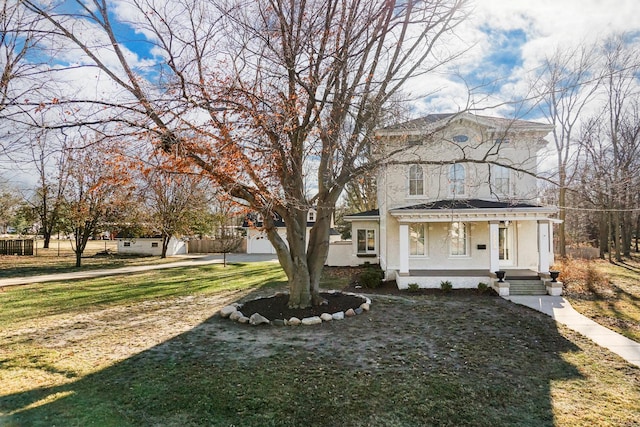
[562, 312]
[181, 261]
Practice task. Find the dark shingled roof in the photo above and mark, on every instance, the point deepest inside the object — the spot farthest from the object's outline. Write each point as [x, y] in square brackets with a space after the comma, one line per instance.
[374, 212]
[466, 204]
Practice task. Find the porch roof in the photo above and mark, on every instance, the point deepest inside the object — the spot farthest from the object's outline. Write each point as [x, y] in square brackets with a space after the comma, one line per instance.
[472, 210]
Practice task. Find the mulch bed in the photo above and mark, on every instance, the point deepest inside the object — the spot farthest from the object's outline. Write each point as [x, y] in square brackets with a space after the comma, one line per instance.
[275, 307]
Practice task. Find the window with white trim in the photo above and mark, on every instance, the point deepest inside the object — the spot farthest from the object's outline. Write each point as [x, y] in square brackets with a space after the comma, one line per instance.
[418, 239]
[457, 177]
[366, 241]
[416, 180]
[501, 180]
[458, 239]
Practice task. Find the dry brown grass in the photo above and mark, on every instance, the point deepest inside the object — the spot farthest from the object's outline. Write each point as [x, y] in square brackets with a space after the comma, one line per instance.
[607, 293]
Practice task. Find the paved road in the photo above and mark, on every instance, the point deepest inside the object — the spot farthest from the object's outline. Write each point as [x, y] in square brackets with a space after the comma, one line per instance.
[181, 261]
[560, 309]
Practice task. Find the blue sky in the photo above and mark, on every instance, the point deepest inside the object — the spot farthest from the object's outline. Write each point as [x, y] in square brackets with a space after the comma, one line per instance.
[506, 40]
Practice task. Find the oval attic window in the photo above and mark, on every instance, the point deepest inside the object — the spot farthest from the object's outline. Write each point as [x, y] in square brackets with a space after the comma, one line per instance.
[460, 138]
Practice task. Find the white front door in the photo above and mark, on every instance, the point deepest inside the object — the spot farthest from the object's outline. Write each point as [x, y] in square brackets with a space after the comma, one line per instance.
[506, 253]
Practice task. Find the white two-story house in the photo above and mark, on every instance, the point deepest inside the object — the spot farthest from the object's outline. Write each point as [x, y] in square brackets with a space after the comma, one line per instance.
[458, 201]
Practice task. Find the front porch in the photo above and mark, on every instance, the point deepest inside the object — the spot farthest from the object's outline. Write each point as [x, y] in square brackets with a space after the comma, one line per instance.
[516, 281]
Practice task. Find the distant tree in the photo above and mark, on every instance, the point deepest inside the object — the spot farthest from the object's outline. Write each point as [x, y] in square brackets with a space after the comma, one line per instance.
[176, 201]
[98, 191]
[566, 85]
[227, 217]
[10, 204]
[52, 168]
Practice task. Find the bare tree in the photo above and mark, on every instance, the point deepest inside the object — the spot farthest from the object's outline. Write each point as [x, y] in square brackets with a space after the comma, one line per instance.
[52, 168]
[622, 88]
[566, 86]
[20, 75]
[252, 91]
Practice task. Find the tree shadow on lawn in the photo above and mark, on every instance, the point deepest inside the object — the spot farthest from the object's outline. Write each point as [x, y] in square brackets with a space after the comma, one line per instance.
[426, 360]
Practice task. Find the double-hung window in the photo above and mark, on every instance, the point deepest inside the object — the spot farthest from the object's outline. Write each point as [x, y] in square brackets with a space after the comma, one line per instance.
[366, 241]
[502, 180]
[417, 240]
[458, 239]
[457, 177]
[416, 180]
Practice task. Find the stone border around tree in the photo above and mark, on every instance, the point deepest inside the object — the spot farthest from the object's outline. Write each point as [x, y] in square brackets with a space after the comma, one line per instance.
[232, 312]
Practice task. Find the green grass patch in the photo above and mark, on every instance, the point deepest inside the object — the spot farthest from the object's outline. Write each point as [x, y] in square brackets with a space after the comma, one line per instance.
[45, 299]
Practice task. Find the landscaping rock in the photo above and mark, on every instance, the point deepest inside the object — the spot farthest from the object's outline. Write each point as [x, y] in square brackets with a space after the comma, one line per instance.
[338, 316]
[294, 321]
[236, 315]
[365, 306]
[326, 317]
[257, 319]
[243, 319]
[358, 310]
[350, 313]
[226, 311]
[311, 320]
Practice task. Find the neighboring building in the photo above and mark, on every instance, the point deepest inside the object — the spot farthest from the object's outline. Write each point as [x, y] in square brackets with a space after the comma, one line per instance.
[150, 246]
[257, 241]
[446, 212]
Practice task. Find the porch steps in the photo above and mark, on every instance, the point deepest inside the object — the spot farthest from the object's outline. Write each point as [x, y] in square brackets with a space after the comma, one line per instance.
[528, 286]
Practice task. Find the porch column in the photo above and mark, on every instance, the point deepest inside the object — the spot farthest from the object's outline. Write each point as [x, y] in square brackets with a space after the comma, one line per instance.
[543, 246]
[494, 246]
[404, 249]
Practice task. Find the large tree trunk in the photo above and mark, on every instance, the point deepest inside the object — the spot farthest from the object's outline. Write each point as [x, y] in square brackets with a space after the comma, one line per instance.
[293, 257]
[165, 245]
[319, 248]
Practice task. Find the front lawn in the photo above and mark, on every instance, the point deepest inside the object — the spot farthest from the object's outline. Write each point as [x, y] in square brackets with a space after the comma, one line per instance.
[148, 349]
[60, 258]
[607, 293]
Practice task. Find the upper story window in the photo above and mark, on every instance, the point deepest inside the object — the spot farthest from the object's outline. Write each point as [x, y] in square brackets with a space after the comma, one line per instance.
[501, 180]
[416, 180]
[311, 216]
[457, 176]
[460, 138]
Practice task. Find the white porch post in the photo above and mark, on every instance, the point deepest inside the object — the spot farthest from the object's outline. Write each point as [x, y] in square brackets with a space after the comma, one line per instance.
[543, 246]
[404, 249]
[494, 246]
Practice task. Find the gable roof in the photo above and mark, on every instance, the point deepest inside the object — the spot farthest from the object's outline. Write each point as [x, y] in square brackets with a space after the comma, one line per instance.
[432, 121]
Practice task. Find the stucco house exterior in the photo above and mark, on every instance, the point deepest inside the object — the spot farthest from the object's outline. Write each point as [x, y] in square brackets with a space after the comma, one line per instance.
[150, 246]
[450, 208]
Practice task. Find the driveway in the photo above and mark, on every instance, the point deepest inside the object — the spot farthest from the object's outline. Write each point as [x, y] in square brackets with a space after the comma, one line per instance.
[181, 261]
